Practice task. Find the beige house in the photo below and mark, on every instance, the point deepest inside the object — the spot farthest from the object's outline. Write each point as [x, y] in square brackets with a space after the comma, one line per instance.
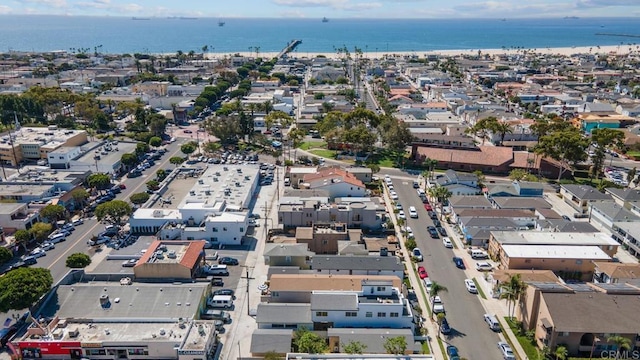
[581, 320]
[296, 255]
[323, 239]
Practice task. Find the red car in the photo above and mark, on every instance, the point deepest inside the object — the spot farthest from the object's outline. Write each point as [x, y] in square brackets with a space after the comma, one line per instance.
[422, 272]
[123, 186]
[428, 207]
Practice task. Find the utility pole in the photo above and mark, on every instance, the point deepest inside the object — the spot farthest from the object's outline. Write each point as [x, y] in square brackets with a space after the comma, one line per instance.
[248, 278]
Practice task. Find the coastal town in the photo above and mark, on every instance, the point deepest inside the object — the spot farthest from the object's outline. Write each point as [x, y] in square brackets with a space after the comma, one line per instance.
[354, 205]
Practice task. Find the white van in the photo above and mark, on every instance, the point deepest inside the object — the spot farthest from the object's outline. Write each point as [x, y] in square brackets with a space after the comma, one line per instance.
[492, 322]
[54, 239]
[220, 270]
[479, 254]
[220, 302]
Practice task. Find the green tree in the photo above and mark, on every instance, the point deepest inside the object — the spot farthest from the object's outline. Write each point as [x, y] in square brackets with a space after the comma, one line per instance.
[622, 344]
[481, 178]
[430, 165]
[440, 319]
[306, 341]
[226, 128]
[161, 174]
[153, 185]
[39, 231]
[272, 355]
[396, 345]
[114, 211]
[278, 117]
[176, 160]
[189, 148]
[5, 255]
[482, 127]
[139, 198]
[99, 181]
[567, 147]
[397, 137]
[375, 168]
[52, 213]
[78, 261]
[517, 174]
[22, 287]
[142, 148]
[211, 147]
[157, 124]
[500, 128]
[129, 160]
[561, 352]
[79, 197]
[604, 139]
[354, 347]
[631, 175]
[511, 291]
[441, 194]
[155, 142]
[22, 238]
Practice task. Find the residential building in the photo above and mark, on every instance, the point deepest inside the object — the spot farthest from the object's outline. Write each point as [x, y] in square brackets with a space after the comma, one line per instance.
[617, 273]
[606, 213]
[601, 240]
[361, 173]
[624, 197]
[17, 216]
[325, 238]
[580, 196]
[358, 265]
[294, 255]
[551, 311]
[32, 144]
[518, 189]
[337, 182]
[628, 234]
[297, 288]
[457, 183]
[355, 212]
[296, 174]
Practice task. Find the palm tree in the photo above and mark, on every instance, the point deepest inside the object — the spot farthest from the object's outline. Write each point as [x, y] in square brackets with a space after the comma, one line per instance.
[441, 194]
[436, 289]
[622, 343]
[561, 353]
[440, 319]
[430, 164]
[511, 291]
[501, 128]
[267, 106]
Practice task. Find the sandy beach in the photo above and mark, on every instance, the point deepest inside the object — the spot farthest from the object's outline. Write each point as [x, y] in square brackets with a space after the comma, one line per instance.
[563, 51]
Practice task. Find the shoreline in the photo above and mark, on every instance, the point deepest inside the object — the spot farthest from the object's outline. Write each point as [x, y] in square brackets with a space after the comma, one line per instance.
[562, 51]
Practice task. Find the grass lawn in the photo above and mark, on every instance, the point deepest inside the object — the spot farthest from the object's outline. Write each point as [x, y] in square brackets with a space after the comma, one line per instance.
[530, 349]
[329, 154]
[383, 158]
[313, 145]
[425, 348]
[635, 154]
[479, 288]
[442, 348]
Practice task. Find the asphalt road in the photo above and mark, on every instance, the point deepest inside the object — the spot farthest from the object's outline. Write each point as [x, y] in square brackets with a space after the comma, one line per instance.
[469, 333]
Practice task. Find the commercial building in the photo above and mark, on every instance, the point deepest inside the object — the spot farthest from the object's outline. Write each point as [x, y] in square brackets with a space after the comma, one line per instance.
[121, 320]
[17, 216]
[215, 209]
[357, 212]
[32, 144]
[170, 260]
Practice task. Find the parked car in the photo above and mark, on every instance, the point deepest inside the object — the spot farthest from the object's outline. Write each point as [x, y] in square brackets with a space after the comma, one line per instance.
[130, 263]
[401, 215]
[78, 222]
[438, 305]
[228, 261]
[452, 352]
[483, 266]
[422, 272]
[217, 282]
[441, 230]
[444, 327]
[38, 252]
[447, 243]
[471, 286]
[507, 352]
[417, 254]
[47, 246]
[229, 292]
[459, 262]
[433, 232]
[432, 214]
[428, 207]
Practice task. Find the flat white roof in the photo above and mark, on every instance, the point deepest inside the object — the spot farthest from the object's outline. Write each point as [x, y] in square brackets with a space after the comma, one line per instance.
[552, 238]
[150, 213]
[303, 170]
[555, 252]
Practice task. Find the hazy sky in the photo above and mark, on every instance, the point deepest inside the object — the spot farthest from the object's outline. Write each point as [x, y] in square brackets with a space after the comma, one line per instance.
[328, 8]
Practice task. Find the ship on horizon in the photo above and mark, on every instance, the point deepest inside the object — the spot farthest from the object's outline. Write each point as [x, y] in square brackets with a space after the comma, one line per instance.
[220, 23]
[140, 18]
[324, 19]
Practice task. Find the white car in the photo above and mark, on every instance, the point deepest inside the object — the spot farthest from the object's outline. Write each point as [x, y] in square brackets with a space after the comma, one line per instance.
[447, 243]
[390, 186]
[507, 352]
[413, 212]
[394, 195]
[410, 233]
[38, 252]
[401, 215]
[47, 246]
[417, 254]
[471, 286]
[438, 306]
[483, 266]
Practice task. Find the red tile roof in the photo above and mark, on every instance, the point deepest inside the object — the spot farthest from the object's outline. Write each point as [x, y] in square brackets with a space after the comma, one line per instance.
[191, 256]
[486, 155]
[333, 173]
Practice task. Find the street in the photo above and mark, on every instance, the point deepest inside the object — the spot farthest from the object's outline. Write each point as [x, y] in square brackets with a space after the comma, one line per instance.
[464, 312]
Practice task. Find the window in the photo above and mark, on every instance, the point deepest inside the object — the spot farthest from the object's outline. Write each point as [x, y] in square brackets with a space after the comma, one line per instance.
[241, 229]
[138, 351]
[351, 314]
[368, 314]
[382, 288]
[527, 261]
[321, 313]
[381, 314]
[95, 352]
[214, 239]
[215, 229]
[578, 262]
[564, 333]
[325, 242]
[224, 229]
[393, 314]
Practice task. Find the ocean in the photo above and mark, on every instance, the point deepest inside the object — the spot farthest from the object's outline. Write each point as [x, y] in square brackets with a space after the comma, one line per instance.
[168, 35]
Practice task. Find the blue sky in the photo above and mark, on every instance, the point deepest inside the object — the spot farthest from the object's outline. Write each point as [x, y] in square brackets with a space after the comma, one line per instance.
[329, 8]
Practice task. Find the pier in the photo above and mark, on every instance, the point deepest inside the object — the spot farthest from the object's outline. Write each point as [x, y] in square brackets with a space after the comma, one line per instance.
[289, 48]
